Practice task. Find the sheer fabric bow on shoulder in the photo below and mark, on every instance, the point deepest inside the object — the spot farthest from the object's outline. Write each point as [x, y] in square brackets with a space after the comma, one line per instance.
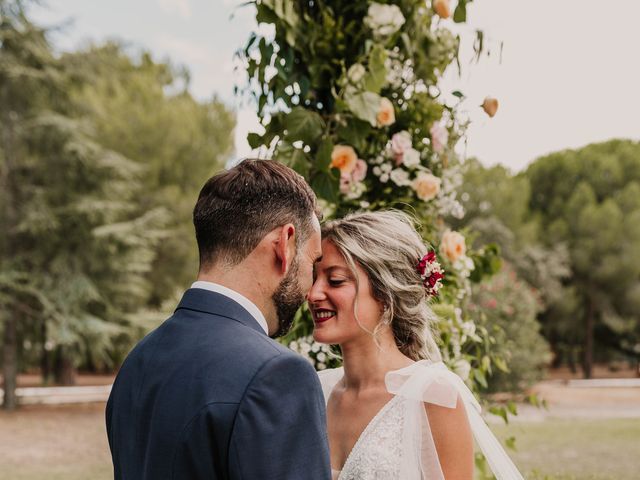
[434, 383]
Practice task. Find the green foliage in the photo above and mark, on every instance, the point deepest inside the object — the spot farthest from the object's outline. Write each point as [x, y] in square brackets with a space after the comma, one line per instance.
[101, 158]
[142, 110]
[508, 308]
[587, 199]
[348, 98]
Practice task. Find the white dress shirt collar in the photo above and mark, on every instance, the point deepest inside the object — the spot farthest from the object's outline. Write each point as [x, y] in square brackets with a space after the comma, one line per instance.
[247, 304]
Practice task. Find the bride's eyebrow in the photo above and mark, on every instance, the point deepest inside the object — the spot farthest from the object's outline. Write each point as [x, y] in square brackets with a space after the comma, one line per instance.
[340, 268]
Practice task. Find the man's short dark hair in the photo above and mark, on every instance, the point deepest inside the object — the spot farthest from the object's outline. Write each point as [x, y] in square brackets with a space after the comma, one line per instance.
[238, 207]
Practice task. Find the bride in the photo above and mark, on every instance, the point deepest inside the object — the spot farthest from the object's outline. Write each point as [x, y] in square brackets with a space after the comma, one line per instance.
[394, 411]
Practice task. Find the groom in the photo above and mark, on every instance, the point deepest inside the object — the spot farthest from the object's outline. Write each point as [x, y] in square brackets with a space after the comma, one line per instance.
[208, 395]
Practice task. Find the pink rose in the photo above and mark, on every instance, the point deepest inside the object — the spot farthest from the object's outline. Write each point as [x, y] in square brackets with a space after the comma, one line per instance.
[345, 183]
[400, 142]
[439, 137]
[360, 171]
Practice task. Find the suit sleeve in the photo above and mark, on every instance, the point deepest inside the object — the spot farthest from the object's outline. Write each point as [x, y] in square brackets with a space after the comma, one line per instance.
[280, 428]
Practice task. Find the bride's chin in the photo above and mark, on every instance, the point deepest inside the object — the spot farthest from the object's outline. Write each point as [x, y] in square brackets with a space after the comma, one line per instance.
[320, 336]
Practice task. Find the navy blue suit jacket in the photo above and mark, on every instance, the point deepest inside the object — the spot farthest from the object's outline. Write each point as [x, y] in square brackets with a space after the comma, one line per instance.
[207, 395]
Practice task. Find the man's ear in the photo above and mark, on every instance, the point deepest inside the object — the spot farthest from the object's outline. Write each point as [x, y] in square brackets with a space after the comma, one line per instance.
[285, 247]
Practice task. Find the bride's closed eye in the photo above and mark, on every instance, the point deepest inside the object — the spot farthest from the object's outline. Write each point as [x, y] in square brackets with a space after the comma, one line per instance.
[335, 282]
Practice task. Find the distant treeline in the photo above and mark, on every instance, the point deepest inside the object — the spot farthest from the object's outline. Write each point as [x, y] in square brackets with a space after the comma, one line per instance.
[102, 154]
[570, 226]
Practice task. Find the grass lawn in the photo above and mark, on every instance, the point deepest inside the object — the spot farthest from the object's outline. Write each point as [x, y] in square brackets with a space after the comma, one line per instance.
[69, 442]
[54, 443]
[576, 449]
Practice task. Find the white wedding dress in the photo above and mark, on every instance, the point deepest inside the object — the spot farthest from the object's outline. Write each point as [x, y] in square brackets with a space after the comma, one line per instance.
[397, 443]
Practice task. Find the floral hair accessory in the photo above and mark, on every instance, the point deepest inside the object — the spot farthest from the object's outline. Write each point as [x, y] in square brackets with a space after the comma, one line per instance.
[431, 273]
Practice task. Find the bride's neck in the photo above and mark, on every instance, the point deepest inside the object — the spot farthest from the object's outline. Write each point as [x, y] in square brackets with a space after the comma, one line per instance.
[366, 362]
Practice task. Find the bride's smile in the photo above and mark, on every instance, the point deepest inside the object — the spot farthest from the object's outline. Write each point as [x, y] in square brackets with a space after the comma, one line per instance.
[342, 303]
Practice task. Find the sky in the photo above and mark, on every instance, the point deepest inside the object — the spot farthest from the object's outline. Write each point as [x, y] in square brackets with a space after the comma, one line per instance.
[568, 75]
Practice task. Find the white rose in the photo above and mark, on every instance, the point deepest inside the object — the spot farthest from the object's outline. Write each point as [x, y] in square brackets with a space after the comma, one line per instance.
[356, 72]
[427, 186]
[384, 178]
[305, 348]
[411, 158]
[384, 20]
[400, 177]
[315, 347]
[469, 328]
[294, 346]
[453, 245]
[321, 357]
[462, 368]
[439, 137]
[321, 366]
[400, 142]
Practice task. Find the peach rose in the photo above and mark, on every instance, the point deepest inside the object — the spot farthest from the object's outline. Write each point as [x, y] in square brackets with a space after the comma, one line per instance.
[426, 186]
[386, 114]
[442, 8]
[452, 245]
[490, 106]
[344, 158]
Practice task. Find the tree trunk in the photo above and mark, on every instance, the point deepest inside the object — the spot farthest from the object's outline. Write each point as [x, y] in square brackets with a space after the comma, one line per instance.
[587, 366]
[9, 217]
[65, 372]
[10, 362]
[46, 368]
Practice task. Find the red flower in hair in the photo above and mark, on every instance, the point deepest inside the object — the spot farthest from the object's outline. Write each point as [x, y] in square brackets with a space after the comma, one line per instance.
[431, 273]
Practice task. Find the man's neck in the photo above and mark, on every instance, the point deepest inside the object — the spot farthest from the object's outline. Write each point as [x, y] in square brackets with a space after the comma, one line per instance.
[247, 285]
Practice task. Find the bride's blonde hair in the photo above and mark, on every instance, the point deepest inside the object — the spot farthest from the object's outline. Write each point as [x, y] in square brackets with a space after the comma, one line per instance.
[388, 247]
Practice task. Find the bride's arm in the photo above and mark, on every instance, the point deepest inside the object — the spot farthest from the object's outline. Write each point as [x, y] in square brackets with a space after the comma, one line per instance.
[453, 440]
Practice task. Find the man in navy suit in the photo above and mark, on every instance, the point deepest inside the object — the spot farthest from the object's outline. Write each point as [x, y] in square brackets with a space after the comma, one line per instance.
[208, 394]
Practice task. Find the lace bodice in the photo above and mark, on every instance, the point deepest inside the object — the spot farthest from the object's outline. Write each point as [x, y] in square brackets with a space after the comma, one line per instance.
[377, 454]
[397, 443]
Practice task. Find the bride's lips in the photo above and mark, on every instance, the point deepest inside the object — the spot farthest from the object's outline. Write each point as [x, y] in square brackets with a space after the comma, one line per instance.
[321, 315]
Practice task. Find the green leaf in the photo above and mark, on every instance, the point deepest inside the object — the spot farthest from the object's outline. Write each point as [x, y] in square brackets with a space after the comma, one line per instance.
[501, 412]
[486, 363]
[323, 156]
[304, 125]
[460, 13]
[501, 364]
[355, 132]
[364, 105]
[457, 93]
[326, 185]
[254, 140]
[510, 442]
[300, 162]
[480, 378]
[293, 157]
[376, 75]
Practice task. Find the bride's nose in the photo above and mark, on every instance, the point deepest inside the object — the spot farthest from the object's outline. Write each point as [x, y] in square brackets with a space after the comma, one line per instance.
[316, 293]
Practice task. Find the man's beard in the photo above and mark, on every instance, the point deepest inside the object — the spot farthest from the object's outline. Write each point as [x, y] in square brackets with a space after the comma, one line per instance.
[287, 299]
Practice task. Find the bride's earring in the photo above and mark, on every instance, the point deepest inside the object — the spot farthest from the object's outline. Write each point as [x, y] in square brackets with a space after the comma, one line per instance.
[386, 318]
